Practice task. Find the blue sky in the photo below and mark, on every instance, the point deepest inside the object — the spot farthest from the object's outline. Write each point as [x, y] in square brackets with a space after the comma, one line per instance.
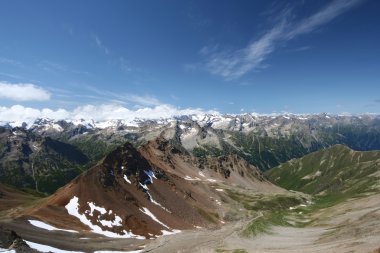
[229, 56]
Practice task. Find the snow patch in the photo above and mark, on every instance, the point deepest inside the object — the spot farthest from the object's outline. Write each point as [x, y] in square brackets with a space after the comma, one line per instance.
[73, 209]
[93, 207]
[173, 232]
[201, 174]
[192, 179]
[164, 232]
[126, 179]
[116, 222]
[46, 248]
[57, 127]
[211, 180]
[151, 215]
[156, 203]
[46, 226]
[7, 250]
[219, 190]
[144, 186]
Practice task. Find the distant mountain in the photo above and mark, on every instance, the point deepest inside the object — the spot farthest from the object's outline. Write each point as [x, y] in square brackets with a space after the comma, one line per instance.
[48, 153]
[264, 141]
[337, 170]
[153, 191]
[40, 163]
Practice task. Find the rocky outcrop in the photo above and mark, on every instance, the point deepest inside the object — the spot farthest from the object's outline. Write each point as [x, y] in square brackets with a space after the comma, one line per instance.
[12, 241]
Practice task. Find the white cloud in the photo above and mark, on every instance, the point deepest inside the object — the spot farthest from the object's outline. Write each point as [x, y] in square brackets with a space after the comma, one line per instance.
[19, 114]
[100, 45]
[234, 64]
[327, 14]
[23, 92]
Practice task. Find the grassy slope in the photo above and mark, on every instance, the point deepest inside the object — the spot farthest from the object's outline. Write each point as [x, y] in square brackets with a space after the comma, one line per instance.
[334, 170]
[331, 176]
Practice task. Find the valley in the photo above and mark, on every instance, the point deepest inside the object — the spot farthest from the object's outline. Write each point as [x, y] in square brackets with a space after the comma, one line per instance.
[192, 126]
[165, 187]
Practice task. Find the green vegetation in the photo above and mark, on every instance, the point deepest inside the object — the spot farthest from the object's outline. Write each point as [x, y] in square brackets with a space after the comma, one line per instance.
[208, 151]
[267, 210]
[265, 202]
[94, 148]
[263, 223]
[331, 176]
[336, 172]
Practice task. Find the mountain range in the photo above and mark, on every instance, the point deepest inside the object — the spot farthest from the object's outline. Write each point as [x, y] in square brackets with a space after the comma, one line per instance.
[264, 141]
[203, 183]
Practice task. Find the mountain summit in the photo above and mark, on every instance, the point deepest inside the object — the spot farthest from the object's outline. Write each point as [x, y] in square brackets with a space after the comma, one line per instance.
[156, 190]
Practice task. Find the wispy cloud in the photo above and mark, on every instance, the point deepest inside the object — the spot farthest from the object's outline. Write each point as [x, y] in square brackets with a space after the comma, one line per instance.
[8, 75]
[100, 45]
[124, 65]
[145, 100]
[68, 28]
[23, 92]
[12, 62]
[236, 63]
[55, 67]
[300, 49]
[124, 98]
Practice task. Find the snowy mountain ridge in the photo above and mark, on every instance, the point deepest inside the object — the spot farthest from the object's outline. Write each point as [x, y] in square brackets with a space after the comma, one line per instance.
[216, 121]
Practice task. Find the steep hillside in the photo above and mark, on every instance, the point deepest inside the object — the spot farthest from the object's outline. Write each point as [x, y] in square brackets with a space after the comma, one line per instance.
[40, 163]
[337, 170]
[153, 191]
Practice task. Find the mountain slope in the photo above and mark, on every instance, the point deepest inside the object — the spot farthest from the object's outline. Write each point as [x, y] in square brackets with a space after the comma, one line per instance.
[13, 198]
[145, 193]
[335, 170]
[41, 163]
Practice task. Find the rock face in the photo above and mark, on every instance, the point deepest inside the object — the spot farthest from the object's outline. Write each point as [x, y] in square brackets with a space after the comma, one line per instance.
[153, 191]
[12, 241]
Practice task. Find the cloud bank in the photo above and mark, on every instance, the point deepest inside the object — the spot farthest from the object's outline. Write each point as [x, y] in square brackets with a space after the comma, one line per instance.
[23, 92]
[18, 114]
[234, 64]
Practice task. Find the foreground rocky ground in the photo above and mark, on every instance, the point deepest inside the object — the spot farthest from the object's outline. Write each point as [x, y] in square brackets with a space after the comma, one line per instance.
[159, 199]
[351, 226]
